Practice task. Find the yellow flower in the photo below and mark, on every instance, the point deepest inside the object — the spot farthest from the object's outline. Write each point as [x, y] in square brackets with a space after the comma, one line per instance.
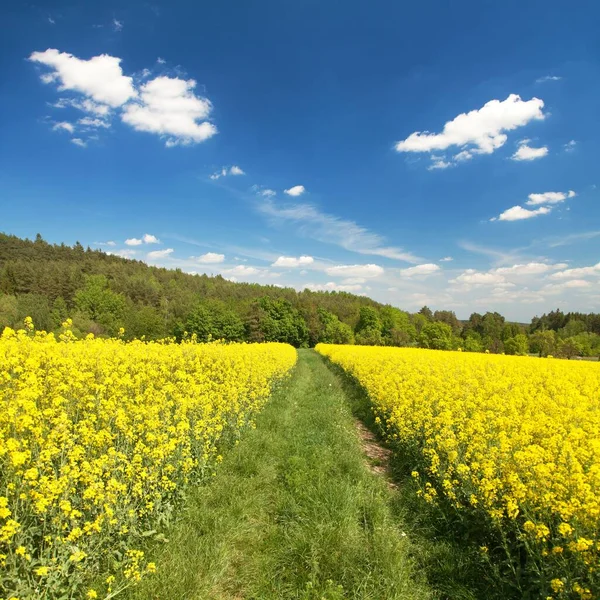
[91, 594]
[557, 585]
[41, 571]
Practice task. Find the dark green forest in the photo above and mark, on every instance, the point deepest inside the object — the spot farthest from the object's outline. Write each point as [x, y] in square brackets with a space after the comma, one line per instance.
[103, 293]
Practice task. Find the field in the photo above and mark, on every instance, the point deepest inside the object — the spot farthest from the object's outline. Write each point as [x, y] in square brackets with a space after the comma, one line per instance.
[150, 470]
[510, 444]
[99, 440]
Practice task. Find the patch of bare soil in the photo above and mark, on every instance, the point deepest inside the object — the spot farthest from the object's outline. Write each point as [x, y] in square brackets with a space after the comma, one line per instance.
[378, 457]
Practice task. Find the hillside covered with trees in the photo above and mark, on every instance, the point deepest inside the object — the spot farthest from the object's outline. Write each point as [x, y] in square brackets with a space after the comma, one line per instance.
[103, 293]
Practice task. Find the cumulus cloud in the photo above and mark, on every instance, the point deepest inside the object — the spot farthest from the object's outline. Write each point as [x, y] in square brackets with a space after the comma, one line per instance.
[473, 277]
[242, 271]
[549, 197]
[570, 146]
[109, 243]
[210, 258]
[479, 131]
[233, 170]
[79, 142]
[168, 107]
[93, 122]
[366, 271]
[577, 272]
[64, 126]
[86, 105]
[296, 190]
[147, 238]
[100, 78]
[333, 287]
[531, 268]
[420, 270]
[160, 253]
[150, 239]
[526, 152]
[438, 162]
[518, 213]
[446, 259]
[292, 261]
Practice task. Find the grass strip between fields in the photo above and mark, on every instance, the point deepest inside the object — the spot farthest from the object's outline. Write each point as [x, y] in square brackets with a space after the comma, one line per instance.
[293, 512]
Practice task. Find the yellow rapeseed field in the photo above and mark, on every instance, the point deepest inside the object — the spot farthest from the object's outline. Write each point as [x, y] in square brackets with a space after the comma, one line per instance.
[514, 439]
[98, 439]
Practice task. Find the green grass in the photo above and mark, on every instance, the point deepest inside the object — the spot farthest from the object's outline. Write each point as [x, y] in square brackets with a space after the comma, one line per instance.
[293, 512]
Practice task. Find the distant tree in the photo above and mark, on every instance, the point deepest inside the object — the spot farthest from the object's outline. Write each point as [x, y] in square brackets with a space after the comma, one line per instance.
[569, 348]
[368, 328]
[59, 313]
[100, 304]
[396, 328]
[519, 344]
[426, 312]
[543, 343]
[437, 336]
[9, 311]
[473, 342]
[448, 317]
[333, 331]
[213, 321]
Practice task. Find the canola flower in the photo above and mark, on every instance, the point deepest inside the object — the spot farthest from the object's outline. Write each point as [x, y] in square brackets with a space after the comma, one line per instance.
[98, 440]
[513, 440]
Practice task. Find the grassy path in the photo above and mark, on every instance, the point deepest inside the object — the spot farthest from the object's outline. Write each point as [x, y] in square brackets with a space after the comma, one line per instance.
[293, 512]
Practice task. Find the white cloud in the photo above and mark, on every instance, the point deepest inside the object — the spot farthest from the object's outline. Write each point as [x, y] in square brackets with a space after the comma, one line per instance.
[333, 287]
[481, 130]
[100, 77]
[518, 213]
[354, 280]
[91, 122]
[333, 230]
[438, 162]
[292, 261]
[51, 21]
[210, 258]
[160, 253]
[64, 125]
[124, 253]
[446, 259]
[570, 146]
[463, 155]
[369, 270]
[242, 271]
[161, 61]
[150, 239]
[526, 152]
[548, 78]
[267, 193]
[168, 106]
[234, 170]
[532, 268]
[471, 276]
[134, 242]
[86, 105]
[297, 190]
[577, 272]
[420, 270]
[79, 142]
[117, 25]
[109, 243]
[549, 197]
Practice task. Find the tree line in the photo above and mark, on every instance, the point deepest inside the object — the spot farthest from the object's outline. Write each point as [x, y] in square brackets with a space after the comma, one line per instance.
[103, 293]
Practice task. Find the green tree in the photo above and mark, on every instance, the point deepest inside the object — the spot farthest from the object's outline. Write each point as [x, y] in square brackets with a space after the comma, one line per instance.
[100, 304]
[9, 311]
[543, 343]
[368, 328]
[569, 348]
[333, 331]
[437, 336]
[473, 341]
[519, 344]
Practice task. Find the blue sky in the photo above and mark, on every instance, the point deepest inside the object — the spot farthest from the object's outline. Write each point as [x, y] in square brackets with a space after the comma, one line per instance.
[420, 153]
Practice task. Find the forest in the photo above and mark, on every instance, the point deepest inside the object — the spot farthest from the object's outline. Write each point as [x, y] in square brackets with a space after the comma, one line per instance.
[103, 294]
